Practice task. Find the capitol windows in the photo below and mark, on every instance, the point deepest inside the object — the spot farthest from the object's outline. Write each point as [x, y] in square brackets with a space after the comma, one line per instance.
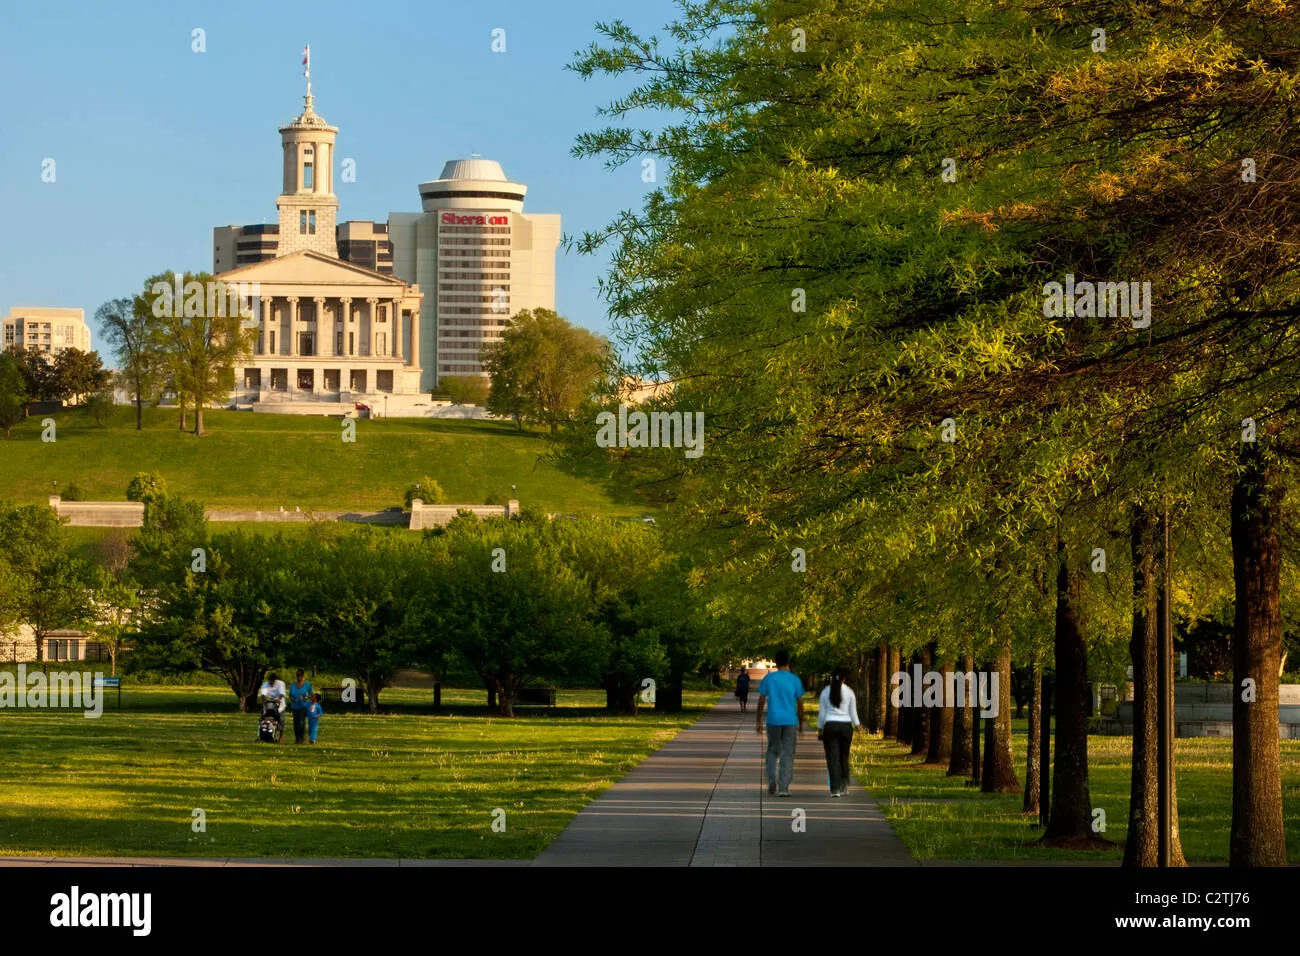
[307, 222]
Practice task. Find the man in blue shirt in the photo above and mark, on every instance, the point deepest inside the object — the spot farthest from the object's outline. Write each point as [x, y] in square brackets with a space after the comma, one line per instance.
[781, 695]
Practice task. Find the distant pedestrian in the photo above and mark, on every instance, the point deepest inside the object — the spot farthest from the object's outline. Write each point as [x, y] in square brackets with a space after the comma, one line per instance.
[781, 692]
[299, 700]
[314, 710]
[742, 689]
[837, 718]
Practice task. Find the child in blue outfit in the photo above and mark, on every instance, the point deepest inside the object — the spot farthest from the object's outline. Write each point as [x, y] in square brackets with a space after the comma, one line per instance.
[313, 717]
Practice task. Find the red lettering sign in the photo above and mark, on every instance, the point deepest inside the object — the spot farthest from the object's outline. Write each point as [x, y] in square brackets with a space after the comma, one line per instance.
[452, 219]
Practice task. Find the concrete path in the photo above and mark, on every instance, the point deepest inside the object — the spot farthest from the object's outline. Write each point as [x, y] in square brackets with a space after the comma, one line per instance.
[700, 800]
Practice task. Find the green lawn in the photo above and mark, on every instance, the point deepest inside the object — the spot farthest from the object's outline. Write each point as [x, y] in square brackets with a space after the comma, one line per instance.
[410, 783]
[939, 817]
[267, 461]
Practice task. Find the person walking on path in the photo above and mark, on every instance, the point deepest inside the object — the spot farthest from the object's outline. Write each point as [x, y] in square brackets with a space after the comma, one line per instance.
[742, 689]
[300, 700]
[313, 718]
[837, 718]
[781, 694]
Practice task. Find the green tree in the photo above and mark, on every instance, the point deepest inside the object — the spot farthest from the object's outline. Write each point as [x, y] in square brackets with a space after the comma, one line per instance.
[197, 341]
[427, 490]
[78, 373]
[357, 607]
[40, 381]
[52, 583]
[234, 619]
[146, 486]
[543, 368]
[129, 326]
[13, 393]
[464, 389]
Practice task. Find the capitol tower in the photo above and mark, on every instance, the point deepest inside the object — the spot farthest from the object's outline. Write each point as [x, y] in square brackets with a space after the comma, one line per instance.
[478, 257]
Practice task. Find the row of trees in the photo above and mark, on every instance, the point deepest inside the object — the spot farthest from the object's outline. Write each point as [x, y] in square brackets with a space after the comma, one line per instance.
[179, 344]
[517, 601]
[859, 270]
[28, 375]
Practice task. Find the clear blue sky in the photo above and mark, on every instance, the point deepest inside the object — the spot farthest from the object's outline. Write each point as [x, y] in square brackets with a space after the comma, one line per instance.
[156, 144]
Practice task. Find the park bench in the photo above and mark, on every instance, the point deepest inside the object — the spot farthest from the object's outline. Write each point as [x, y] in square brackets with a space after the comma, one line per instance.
[536, 696]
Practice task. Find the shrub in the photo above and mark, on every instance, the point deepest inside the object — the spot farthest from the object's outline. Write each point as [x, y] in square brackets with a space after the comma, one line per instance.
[427, 490]
[145, 486]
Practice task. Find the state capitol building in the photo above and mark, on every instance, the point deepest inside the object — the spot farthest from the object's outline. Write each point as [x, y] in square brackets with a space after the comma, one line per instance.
[360, 310]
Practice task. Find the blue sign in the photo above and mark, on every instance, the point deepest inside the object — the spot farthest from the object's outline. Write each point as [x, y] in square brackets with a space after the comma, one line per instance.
[108, 682]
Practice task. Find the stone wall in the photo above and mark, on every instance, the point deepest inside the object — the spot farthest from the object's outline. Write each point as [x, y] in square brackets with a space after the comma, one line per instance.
[430, 516]
[99, 514]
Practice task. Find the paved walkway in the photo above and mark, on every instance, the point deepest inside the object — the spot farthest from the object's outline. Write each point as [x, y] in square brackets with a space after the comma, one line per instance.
[700, 800]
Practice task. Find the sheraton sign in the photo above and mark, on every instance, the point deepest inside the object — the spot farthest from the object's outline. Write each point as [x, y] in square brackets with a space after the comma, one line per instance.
[451, 219]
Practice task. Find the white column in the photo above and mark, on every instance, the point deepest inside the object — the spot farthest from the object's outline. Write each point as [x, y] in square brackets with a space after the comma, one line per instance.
[293, 327]
[322, 347]
[345, 315]
[415, 337]
[374, 314]
[268, 323]
[396, 348]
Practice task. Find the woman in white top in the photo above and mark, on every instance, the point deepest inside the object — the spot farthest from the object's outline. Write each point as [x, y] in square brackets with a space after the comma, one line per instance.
[837, 717]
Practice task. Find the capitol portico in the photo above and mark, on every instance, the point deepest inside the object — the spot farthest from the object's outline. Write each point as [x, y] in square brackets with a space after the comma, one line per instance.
[323, 329]
[327, 329]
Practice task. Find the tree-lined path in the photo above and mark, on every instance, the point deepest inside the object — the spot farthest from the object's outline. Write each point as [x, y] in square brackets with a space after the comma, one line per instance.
[700, 801]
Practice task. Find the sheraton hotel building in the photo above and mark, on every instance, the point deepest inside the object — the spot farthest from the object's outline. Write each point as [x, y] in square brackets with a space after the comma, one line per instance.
[359, 309]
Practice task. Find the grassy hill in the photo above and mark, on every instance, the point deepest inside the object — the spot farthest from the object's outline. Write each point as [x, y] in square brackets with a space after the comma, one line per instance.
[266, 461]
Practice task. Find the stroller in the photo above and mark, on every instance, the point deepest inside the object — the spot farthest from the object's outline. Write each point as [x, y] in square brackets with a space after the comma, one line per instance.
[270, 727]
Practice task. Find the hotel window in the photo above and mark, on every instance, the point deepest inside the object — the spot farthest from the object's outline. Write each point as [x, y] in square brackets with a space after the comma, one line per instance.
[307, 180]
[302, 222]
[338, 343]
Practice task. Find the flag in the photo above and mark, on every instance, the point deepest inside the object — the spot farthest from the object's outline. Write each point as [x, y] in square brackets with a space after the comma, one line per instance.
[306, 61]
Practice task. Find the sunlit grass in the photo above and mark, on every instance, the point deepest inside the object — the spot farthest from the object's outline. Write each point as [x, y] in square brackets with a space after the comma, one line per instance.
[939, 817]
[409, 783]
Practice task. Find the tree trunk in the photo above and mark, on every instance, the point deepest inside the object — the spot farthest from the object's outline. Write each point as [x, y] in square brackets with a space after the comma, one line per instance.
[180, 400]
[891, 712]
[1258, 836]
[941, 727]
[866, 660]
[921, 713]
[907, 713]
[1142, 845]
[198, 419]
[1033, 746]
[959, 762]
[880, 690]
[139, 406]
[668, 694]
[976, 734]
[1000, 762]
[1071, 815]
[1045, 751]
